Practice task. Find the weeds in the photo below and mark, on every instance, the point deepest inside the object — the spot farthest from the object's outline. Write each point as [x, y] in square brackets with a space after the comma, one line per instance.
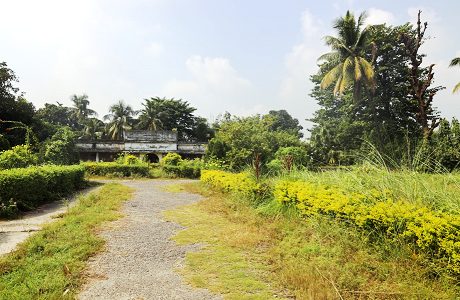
[291, 257]
[50, 264]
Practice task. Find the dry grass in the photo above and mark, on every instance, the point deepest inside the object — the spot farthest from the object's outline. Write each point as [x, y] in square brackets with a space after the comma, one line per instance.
[266, 252]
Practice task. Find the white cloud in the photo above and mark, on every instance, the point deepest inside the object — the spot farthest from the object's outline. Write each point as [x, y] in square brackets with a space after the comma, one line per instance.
[214, 84]
[154, 49]
[377, 16]
[300, 63]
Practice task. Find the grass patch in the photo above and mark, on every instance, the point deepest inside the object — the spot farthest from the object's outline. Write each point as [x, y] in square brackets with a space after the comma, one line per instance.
[50, 264]
[269, 252]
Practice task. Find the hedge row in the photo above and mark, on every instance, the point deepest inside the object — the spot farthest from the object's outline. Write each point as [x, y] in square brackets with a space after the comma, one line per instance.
[116, 169]
[433, 235]
[29, 187]
[231, 182]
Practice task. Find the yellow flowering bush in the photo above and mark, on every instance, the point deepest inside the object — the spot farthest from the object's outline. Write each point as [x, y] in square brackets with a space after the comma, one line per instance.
[231, 182]
[434, 234]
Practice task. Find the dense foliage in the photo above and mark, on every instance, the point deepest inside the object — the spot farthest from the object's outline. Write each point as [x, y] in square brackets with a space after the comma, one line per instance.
[25, 188]
[386, 115]
[173, 114]
[114, 169]
[173, 165]
[17, 157]
[238, 140]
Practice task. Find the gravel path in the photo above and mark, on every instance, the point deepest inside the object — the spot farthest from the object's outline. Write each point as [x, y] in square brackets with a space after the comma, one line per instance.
[140, 258]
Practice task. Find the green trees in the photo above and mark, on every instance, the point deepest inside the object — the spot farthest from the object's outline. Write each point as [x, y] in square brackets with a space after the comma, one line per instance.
[391, 116]
[13, 107]
[81, 109]
[455, 62]
[282, 120]
[168, 114]
[120, 118]
[93, 127]
[348, 65]
[238, 139]
[60, 149]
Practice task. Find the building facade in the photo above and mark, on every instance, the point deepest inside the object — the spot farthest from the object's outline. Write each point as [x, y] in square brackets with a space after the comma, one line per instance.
[152, 144]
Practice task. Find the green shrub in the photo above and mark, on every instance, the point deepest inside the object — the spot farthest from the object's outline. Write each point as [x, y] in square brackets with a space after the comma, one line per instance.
[185, 169]
[60, 150]
[171, 159]
[433, 235]
[275, 167]
[115, 169]
[232, 182]
[299, 155]
[17, 157]
[29, 187]
[128, 159]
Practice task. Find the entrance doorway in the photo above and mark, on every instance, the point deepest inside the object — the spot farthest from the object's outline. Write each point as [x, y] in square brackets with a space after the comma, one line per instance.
[153, 158]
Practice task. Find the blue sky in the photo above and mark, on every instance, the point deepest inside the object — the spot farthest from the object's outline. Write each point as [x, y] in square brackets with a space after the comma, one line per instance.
[244, 57]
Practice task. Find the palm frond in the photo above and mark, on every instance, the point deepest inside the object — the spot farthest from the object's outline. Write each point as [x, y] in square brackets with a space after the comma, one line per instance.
[455, 62]
[331, 76]
[337, 85]
[358, 72]
[347, 74]
[367, 68]
[329, 57]
[456, 88]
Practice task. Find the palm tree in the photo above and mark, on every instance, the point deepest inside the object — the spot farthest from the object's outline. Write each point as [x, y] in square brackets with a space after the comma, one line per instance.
[119, 119]
[151, 115]
[455, 62]
[81, 109]
[92, 127]
[347, 56]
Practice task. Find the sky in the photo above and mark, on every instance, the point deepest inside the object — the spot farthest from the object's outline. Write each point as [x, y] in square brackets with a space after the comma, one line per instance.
[243, 57]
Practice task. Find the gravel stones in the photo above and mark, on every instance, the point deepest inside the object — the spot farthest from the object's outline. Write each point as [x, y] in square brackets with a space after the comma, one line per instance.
[140, 258]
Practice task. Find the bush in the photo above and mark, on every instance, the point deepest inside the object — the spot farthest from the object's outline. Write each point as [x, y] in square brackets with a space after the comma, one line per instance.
[115, 169]
[275, 167]
[128, 159]
[185, 169]
[171, 159]
[60, 150]
[231, 182]
[29, 187]
[17, 157]
[434, 235]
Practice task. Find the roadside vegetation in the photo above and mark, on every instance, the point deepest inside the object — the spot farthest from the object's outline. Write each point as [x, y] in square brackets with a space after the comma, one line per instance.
[50, 264]
[266, 250]
[366, 207]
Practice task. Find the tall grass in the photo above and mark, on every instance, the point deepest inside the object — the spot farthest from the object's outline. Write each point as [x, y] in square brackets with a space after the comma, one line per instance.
[439, 192]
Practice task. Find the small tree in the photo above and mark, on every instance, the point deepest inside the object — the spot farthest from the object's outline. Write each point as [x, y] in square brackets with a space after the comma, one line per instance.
[60, 149]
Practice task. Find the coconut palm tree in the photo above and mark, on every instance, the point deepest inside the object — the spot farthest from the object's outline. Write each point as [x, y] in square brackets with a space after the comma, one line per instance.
[151, 115]
[455, 62]
[350, 67]
[81, 110]
[93, 126]
[120, 118]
